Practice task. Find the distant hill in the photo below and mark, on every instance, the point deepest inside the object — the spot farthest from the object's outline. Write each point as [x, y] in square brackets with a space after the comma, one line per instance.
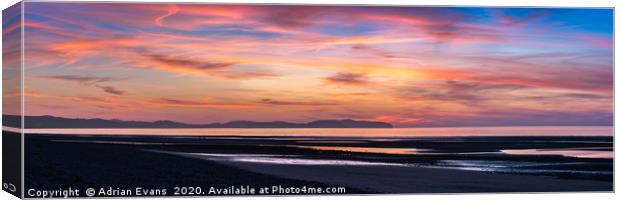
[60, 122]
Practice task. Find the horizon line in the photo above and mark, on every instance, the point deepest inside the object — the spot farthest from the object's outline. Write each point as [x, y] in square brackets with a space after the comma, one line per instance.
[307, 122]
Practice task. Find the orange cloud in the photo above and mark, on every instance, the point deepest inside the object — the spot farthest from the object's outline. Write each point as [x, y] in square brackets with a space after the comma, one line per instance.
[344, 78]
[407, 67]
[294, 103]
[194, 104]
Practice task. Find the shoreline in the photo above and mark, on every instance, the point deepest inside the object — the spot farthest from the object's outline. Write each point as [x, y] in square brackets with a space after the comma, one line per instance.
[405, 179]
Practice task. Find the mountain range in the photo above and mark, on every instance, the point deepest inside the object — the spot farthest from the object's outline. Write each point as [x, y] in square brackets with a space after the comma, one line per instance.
[61, 122]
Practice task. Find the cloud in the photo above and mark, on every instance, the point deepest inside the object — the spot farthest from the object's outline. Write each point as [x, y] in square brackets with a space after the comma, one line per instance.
[90, 100]
[173, 10]
[295, 103]
[520, 118]
[90, 81]
[527, 18]
[345, 78]
[184, 65]
[532, 117]
[187, 63]
[585, 96]
[601, 42]
[111, 90]
[292, 16]
[385, 52]
[566, 97]
[86, 80]
[556, 71]
[243, 75]
[172, 102]
[462, 92]
[366, 40]
[136, 51]
[374, 51]
[467, 87]
[448, 27]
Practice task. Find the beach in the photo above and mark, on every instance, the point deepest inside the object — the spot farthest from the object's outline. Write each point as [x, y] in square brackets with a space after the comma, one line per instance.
[402, 179]
[54, 165]
[224, 161]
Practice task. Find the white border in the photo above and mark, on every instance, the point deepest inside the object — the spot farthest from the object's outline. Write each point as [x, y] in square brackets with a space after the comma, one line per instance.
[22, 106]
[502, 3]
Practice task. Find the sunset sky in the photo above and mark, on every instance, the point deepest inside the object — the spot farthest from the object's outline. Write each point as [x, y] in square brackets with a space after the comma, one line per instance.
[409, 66]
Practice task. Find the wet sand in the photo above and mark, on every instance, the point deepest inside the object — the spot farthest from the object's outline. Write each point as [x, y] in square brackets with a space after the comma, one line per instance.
[128, 161]
[405, 179]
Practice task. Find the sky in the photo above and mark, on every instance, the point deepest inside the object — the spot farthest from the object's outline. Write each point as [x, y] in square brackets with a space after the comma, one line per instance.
[409, 66]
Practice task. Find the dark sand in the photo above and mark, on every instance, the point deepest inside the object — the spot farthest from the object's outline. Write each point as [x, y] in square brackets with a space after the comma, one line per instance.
[55, 161]
[403, 179]
[52, 165]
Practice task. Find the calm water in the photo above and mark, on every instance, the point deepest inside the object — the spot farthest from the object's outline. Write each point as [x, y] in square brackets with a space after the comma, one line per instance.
[354, 132]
